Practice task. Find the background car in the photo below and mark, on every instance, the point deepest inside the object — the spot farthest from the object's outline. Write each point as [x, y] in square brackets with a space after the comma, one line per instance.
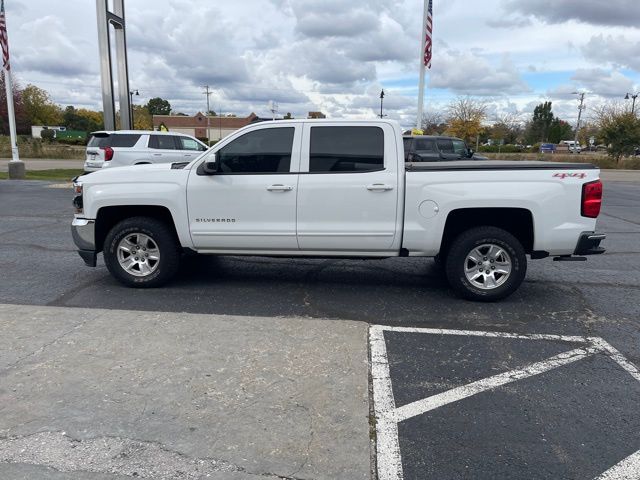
[428, 148]
[136, 147]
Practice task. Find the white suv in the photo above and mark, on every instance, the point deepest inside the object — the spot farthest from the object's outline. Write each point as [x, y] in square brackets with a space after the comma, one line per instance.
[137, 147]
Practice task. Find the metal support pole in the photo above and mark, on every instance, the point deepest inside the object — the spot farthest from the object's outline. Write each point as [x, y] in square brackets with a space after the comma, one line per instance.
[106, 76]
[580, 108]
[118, 22]
[106, 19]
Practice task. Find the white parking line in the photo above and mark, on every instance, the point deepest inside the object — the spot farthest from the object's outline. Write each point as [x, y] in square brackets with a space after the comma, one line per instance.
[627, 469]
[388, 416]
[431, 403]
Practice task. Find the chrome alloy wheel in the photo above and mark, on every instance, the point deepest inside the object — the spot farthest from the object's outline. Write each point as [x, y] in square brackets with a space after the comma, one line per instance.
[138, 254]
[487, 266]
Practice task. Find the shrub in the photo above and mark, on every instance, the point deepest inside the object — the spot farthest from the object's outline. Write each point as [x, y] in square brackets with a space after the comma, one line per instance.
[47, 135]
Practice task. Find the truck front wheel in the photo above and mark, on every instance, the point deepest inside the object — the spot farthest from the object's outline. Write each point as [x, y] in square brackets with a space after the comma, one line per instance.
[486, 264]
[142, 252]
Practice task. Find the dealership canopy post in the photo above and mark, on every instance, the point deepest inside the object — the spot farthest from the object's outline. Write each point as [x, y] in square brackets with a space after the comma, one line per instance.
[106, 19]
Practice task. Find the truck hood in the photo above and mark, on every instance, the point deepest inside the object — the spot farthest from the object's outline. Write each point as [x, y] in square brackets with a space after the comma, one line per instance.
[152, 172]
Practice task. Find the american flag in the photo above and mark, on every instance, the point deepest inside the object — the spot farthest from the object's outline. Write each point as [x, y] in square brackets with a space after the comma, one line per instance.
[428, 44]
[4, 39]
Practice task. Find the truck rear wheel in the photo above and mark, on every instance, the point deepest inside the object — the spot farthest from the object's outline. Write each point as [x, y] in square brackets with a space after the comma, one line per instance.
[142, 252]
[486, 264]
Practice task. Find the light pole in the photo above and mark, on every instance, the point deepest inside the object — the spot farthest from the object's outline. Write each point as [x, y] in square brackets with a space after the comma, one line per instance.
[131, 94]
[580, 108]
[381, 100]
[633, 104]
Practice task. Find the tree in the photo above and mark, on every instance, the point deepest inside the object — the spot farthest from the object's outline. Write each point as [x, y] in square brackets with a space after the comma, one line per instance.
[142, 119]
[432, 123]
[538, 128]
[465, 116]
[621, 132]
[559, 131]
[288, 116]
[158, 106]
[82, 119]
[22, 120]
[39, 108]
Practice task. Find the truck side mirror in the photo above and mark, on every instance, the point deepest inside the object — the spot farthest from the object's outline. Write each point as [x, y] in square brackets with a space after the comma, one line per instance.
[210, 166]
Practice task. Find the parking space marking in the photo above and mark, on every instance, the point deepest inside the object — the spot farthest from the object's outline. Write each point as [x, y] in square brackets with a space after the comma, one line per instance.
[628, 468]
[431, 403]
[389, 458]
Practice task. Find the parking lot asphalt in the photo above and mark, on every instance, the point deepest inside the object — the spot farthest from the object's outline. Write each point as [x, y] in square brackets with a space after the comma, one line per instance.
[592, 401]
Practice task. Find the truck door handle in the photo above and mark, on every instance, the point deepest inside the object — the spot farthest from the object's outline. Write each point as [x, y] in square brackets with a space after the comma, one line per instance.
[379, 187]
[280, 188]
[157, 154]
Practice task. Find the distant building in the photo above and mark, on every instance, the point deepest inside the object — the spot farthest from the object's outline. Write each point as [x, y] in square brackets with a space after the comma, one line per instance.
[36, 130]
[316, 115]
[199, 126]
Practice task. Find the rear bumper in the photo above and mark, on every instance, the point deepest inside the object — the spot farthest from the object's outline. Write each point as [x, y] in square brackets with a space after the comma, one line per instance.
[589, 244]
[83, 232]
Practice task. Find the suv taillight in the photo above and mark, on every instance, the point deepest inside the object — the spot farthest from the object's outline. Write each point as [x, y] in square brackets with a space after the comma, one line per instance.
[108, 153]
[591, 199]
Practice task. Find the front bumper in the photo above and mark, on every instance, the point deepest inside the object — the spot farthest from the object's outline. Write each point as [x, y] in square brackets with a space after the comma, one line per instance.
[589, 244]
[83, 232]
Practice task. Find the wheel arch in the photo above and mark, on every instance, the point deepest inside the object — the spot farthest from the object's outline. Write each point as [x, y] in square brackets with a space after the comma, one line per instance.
[108, 217]
[516, 221]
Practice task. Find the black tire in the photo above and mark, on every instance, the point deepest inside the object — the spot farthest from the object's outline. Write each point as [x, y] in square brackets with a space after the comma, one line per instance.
[167, 244]
[465, 243]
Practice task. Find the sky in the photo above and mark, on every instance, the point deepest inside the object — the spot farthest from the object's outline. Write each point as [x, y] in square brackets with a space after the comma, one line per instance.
[335, 56]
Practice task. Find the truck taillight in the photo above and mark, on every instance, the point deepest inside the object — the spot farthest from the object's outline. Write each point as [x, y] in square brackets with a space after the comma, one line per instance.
[591, 199]
[108, 153]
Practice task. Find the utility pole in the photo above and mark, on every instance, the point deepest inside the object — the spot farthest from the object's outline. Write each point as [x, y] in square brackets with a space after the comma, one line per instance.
[208, 93]
[633, 104]
[580, 108]
[381, 100]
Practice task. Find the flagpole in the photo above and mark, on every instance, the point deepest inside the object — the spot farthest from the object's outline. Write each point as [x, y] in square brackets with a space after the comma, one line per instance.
[16, 167]
[422, 66]
[8, 83]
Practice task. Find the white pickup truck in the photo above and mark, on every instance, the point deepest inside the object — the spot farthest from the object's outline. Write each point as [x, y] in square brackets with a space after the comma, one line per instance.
[325, 188]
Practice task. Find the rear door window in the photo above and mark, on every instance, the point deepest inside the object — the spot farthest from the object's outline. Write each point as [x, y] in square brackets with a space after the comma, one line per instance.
[126, 140]
[445, 145]
[425, 145]
[346, 149]
[162, 142]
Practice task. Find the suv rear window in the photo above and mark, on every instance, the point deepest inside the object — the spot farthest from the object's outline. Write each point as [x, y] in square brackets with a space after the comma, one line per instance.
[114, 140]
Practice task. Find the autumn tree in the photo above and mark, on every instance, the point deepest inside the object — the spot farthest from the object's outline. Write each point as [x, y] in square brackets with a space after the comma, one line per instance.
[142, 119]
[619, 129]
[22, 121]
[39, 107]
[158, 106]
[464, 118]
[82, 119]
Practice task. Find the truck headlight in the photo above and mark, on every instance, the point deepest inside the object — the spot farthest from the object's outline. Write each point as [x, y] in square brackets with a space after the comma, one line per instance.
[77, 197]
